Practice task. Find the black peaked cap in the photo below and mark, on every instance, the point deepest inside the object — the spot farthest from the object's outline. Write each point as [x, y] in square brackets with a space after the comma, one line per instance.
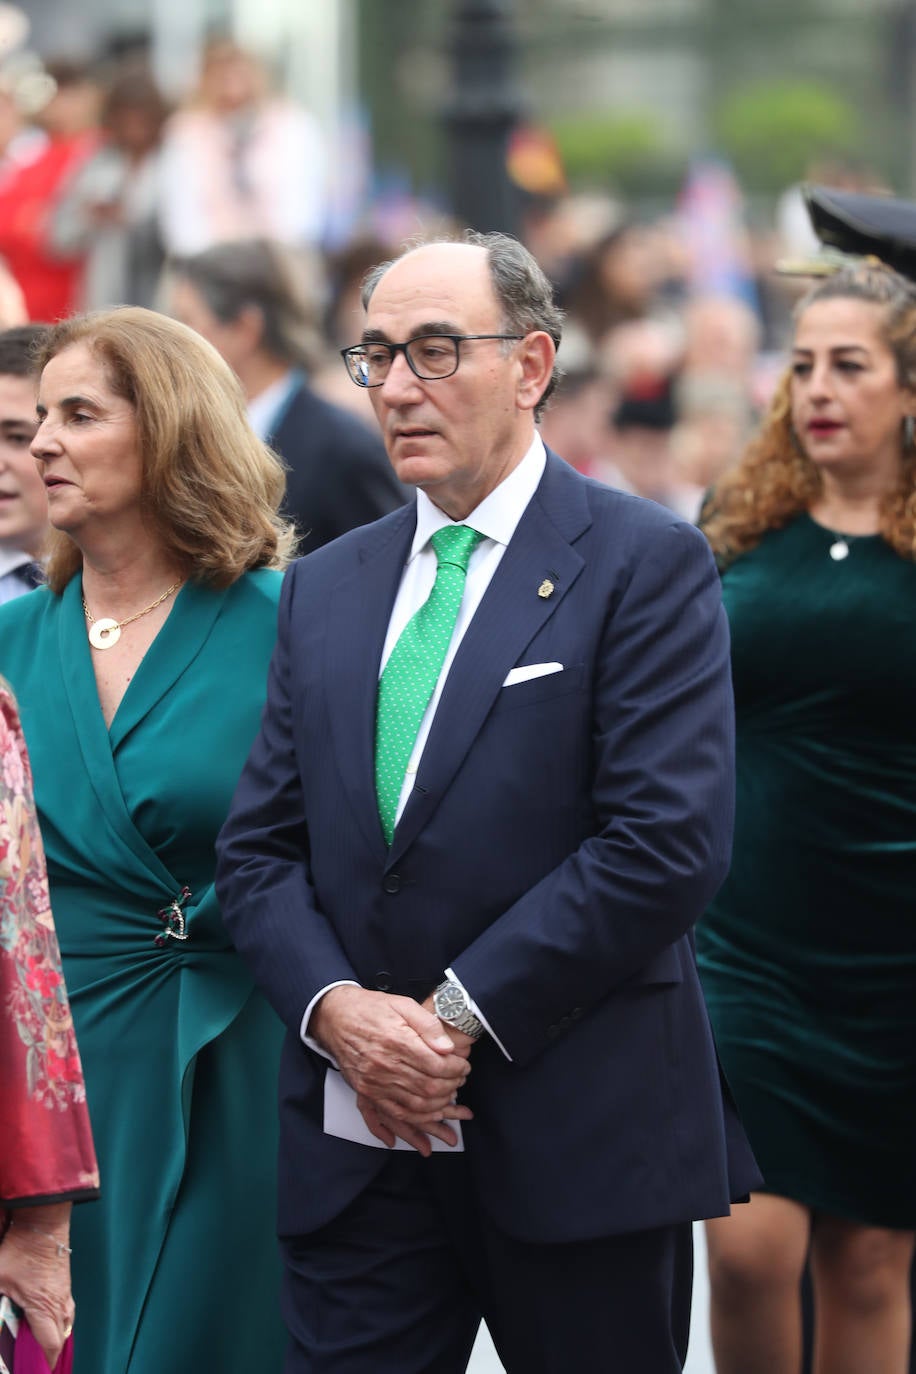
[851, 222]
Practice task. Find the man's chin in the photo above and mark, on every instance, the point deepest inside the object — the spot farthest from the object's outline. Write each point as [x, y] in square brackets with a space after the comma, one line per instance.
[417, 469]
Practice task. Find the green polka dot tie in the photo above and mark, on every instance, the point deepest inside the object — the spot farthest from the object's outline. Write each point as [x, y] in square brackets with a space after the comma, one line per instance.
[414, 665]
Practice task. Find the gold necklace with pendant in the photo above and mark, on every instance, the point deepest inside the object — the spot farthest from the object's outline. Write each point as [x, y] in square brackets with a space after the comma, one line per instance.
[105, 633]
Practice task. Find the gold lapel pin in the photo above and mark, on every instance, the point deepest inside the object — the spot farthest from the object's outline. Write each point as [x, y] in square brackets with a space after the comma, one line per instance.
[546, 588]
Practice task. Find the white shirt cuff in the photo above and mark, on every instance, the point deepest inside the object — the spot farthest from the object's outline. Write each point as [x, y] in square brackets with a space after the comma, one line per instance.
[452, 976]
[303, 1029]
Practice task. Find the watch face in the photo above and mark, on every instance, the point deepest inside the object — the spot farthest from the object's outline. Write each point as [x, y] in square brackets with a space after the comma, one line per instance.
[450, 1002]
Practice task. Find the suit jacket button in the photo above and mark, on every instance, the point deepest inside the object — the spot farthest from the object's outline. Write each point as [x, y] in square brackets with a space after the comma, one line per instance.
[576, 1013]
[565, 1023]
[553, 1032]
[383, 981]
[391, 882]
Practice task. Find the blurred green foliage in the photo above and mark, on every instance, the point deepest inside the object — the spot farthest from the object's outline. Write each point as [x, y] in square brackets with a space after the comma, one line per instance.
[772, 131]
[625, 153]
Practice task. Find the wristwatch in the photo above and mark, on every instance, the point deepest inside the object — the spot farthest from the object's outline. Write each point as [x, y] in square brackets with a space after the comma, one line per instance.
[450, 1003]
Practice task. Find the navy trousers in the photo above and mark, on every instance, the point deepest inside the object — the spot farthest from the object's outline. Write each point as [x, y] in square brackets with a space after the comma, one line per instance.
[398, 1283]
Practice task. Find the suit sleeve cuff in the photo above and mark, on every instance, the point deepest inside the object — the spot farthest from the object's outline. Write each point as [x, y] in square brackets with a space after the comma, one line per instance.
[303, 1029]
[453, 977]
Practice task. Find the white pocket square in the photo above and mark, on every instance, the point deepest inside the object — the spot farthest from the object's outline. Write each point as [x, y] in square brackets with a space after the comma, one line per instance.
[531, 670]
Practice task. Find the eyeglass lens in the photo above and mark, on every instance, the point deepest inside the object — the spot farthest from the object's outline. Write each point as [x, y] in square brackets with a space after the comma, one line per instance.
[430, 357]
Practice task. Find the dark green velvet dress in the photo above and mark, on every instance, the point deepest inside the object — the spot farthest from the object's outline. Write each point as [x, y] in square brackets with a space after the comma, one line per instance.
[808, 954]
[176, 1267]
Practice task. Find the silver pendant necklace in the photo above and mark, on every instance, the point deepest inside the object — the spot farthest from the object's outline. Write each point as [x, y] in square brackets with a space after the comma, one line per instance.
[839, 549]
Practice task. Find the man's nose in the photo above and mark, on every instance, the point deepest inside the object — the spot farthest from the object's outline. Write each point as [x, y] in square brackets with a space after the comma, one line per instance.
[400, 382]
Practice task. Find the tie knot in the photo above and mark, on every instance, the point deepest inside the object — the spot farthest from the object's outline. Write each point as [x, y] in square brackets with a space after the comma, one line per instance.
[454, 544]
[32, 574]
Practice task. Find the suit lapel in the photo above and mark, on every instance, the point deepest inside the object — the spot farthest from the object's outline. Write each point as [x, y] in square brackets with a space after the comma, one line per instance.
[509, 616]
[358, 614]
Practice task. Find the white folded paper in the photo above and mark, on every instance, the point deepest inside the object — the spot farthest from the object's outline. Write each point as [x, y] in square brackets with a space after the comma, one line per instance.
[343, 1118]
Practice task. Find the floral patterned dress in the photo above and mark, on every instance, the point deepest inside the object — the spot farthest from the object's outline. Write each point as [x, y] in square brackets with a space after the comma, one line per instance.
[46, 1150]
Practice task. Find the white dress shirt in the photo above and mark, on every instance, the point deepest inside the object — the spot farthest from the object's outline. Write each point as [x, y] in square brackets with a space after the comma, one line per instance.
[496, 519]
[266, 409]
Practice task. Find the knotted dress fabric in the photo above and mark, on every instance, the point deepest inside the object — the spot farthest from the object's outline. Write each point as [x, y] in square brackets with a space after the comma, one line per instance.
[414, 665]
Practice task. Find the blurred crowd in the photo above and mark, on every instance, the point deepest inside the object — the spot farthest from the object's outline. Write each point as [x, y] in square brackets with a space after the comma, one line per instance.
[100, 180]
[675, 324]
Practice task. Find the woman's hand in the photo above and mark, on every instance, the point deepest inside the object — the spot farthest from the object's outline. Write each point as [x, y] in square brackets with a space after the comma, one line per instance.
[37, 1277]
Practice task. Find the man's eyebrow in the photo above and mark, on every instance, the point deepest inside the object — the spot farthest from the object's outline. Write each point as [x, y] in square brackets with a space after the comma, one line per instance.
[436, 327]
[421, 331]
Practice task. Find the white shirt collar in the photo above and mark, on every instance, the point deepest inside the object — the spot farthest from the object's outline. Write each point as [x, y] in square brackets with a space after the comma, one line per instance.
[264, 409]
[498, 514]
[11, 559]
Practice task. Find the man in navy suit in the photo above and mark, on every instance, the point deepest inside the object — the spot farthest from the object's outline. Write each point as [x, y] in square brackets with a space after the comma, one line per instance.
[499, 1094]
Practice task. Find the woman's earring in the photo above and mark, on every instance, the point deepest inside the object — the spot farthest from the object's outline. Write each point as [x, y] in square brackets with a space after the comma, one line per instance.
[909, 433]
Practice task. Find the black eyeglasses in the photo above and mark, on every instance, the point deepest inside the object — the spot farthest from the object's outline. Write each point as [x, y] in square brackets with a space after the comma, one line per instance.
[431, 357]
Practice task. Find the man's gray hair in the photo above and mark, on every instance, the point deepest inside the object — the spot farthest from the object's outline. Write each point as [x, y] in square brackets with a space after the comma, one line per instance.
[522, 288]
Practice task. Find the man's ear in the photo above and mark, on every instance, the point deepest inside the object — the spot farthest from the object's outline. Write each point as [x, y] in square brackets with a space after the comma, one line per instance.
[536, 357]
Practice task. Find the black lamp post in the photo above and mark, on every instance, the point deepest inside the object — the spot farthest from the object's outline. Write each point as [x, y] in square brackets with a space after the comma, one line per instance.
[482, 108]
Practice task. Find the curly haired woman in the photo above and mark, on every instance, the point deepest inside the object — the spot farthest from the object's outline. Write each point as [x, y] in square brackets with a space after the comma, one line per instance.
[808, 954]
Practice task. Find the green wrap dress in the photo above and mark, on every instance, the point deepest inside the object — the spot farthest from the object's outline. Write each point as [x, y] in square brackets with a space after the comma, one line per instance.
[175, 1268]
[808, 953]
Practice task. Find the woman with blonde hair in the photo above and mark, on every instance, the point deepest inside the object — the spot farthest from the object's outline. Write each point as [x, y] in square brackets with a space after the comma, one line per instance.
[808, 953]
[141, 671]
